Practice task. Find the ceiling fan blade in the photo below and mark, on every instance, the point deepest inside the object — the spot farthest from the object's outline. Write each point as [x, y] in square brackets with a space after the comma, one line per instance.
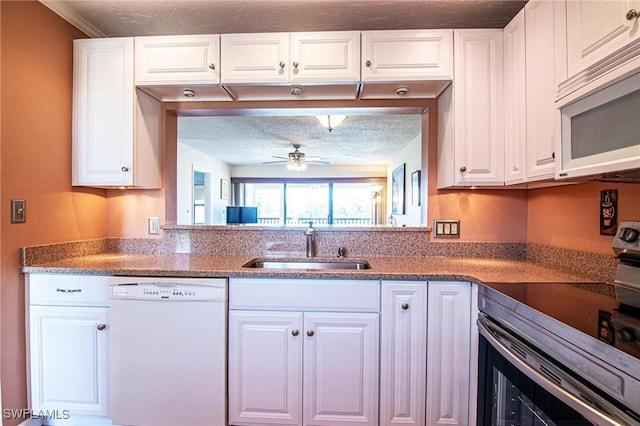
[277, 161]
[314, 158]
[281, 158]
[317, 162]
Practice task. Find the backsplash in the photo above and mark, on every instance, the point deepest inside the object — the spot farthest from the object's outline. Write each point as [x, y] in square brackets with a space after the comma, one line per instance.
[358, 242]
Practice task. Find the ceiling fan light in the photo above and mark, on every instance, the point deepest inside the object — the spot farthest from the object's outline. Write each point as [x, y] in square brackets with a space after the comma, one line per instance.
[330, 122]
[296, 166]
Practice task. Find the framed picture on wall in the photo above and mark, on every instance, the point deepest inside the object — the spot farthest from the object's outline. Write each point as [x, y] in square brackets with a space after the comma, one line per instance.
[415, 188]
[397, 190]
[224, 189]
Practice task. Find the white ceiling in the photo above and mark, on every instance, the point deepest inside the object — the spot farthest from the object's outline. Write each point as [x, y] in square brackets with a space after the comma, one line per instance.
[362, 139]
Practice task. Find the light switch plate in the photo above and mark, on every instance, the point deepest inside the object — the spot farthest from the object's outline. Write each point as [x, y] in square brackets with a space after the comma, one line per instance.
[18, 211]
[446, 228]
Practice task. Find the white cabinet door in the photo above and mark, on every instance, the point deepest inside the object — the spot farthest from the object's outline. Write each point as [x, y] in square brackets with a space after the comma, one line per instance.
[253, 58]
[403, 353]
[103, 111]
[406, 64]
[598, 28]
[448, 363]
[407, 55]
[328, 57]
[116, 129]
[177, 59]
[68, 360]
[265, 367]
[515, 128]
[471, 144]
[543, 120]
[340, 369]
[180, 68]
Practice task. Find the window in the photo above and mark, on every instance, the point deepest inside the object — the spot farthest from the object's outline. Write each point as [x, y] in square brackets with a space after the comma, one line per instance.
[322, 201]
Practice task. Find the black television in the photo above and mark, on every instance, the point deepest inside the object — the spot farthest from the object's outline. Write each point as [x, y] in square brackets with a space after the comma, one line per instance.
[241, 215]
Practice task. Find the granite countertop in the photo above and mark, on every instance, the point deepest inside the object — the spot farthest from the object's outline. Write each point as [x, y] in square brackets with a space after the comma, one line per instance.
[480, 270]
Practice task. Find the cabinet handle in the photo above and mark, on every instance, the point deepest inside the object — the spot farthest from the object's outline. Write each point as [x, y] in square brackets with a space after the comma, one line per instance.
[124, 169]
[295, 332]
[69, 290]
[553, 155]
[309, 333]
[282, 64]
[463, 169]
[368, 63]
[633, 14]
[405, 306]
[102, 326]
[212, 66]
[295, 64]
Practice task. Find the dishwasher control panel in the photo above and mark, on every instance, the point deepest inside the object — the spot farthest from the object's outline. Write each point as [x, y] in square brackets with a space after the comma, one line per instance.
[168, 291]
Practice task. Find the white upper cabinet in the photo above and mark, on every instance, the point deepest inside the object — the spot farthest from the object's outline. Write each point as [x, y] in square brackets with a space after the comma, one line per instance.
[406, 63]
[180, 68]
[471, 113]
[543, 120]
[116, 129]
[515, 126]
[601, 35]
[291, 66]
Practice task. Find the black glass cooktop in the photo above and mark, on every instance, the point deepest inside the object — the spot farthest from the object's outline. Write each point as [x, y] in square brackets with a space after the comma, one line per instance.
[589, 307]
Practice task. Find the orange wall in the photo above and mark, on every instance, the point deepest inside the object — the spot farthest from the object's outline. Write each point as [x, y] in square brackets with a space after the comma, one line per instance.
[569, 216]
[35, 142]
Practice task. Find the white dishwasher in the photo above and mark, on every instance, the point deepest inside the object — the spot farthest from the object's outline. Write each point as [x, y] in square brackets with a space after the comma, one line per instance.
[168, 351]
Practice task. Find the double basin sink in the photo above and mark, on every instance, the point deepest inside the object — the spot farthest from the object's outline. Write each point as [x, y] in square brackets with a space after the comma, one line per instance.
[307, 264]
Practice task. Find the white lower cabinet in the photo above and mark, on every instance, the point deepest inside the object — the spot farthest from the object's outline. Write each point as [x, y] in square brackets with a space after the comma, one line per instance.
[425, 353]
[68, 328]
[403, 352]
[311, 368]
[298, 356]
[449, 352]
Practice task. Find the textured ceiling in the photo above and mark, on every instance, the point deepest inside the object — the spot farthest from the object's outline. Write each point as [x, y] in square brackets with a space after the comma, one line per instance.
[253, 140]
[360, 139]
[115, 18]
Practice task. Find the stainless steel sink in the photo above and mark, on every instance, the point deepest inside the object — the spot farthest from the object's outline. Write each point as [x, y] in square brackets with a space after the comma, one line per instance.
[307, 264]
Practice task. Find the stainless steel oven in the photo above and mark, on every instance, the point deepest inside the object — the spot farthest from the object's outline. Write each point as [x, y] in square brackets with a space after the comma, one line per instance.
[562, 353]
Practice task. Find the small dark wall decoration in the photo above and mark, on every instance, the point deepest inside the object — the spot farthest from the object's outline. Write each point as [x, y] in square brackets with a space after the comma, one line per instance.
[415, 188]
[608, 212]
[397, 190]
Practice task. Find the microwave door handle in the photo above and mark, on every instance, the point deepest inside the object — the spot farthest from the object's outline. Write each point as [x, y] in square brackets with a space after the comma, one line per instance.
[489, 330]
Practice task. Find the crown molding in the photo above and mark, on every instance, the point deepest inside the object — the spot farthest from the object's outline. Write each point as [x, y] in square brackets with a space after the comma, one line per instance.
[74, 19]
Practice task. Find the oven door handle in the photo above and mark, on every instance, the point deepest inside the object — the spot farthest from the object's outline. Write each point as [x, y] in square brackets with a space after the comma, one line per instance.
[556, 382]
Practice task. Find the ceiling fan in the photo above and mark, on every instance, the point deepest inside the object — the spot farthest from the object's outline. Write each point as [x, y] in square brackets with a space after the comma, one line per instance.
[297, 161]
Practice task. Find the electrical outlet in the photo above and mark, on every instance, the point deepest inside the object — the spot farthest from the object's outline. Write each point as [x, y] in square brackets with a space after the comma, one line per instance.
[154, 225]
[446, 228]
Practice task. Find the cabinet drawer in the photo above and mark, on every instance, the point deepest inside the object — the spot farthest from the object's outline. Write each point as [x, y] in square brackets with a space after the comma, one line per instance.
[300, 294]
[61, 289]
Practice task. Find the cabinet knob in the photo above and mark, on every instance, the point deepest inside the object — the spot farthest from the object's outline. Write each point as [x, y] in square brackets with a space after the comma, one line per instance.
[295, 332]
[295, 64]
[212, 66]
[368, 63]
[282, 64]
[463, 169]
[310, 333]
[405, 306]
[124, 169]
[102, 326]
[632, 14]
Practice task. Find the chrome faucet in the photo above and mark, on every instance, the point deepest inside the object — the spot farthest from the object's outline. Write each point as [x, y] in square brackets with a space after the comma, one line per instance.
[311, 237]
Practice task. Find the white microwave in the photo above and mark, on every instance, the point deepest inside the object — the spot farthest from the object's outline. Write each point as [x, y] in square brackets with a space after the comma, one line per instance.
[600, 133]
